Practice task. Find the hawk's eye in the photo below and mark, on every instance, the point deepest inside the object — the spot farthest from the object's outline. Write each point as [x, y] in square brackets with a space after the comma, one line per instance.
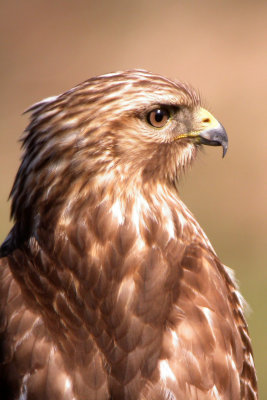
[158, 117]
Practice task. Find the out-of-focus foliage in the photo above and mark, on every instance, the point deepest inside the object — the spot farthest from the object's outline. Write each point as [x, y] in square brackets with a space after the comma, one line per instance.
[219, 47]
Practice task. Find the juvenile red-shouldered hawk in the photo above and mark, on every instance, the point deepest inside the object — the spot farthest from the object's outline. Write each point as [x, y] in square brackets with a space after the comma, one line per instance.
[109, 288]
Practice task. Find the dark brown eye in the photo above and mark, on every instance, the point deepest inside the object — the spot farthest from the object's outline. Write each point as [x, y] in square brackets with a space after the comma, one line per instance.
[158, 117]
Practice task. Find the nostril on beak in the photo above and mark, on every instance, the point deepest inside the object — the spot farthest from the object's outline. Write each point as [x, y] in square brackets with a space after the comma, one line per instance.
[206, 120]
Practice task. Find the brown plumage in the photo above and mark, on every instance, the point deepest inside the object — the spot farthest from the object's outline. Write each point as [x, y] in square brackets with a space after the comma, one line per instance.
[109, 288]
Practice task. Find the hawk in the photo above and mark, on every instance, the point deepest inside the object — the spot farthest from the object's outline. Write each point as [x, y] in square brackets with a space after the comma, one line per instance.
[109, 287]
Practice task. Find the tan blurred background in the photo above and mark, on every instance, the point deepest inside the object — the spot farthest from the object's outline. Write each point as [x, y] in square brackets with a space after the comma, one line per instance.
[219, 46]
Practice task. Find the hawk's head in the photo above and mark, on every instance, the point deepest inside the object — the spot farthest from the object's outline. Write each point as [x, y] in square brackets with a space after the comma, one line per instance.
[117, 130]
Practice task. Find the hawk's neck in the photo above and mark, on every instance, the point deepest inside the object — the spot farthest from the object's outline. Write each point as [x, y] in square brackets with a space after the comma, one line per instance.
[147, 210]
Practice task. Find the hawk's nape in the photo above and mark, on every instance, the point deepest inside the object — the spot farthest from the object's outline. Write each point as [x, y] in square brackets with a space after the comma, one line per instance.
[109, 288]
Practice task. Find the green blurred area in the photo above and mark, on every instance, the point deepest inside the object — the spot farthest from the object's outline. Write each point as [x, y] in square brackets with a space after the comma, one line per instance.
[218, 46]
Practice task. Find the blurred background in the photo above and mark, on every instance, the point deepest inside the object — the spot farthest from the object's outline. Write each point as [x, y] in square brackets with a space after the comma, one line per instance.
[220, 47]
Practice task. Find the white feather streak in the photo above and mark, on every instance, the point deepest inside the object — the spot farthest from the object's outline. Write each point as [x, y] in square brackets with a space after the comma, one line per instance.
[117, 212]
[165, 371]
[24, 388]
[175, 339]
[208, 315]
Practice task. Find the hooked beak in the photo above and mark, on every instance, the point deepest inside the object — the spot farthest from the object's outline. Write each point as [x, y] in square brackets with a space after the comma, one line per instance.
[208, 131]
[215, 137]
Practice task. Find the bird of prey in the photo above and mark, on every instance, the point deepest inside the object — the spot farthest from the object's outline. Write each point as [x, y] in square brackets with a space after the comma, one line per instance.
[109, 288]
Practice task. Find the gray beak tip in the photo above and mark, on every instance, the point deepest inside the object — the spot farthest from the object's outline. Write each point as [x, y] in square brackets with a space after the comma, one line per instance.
[225, 148]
